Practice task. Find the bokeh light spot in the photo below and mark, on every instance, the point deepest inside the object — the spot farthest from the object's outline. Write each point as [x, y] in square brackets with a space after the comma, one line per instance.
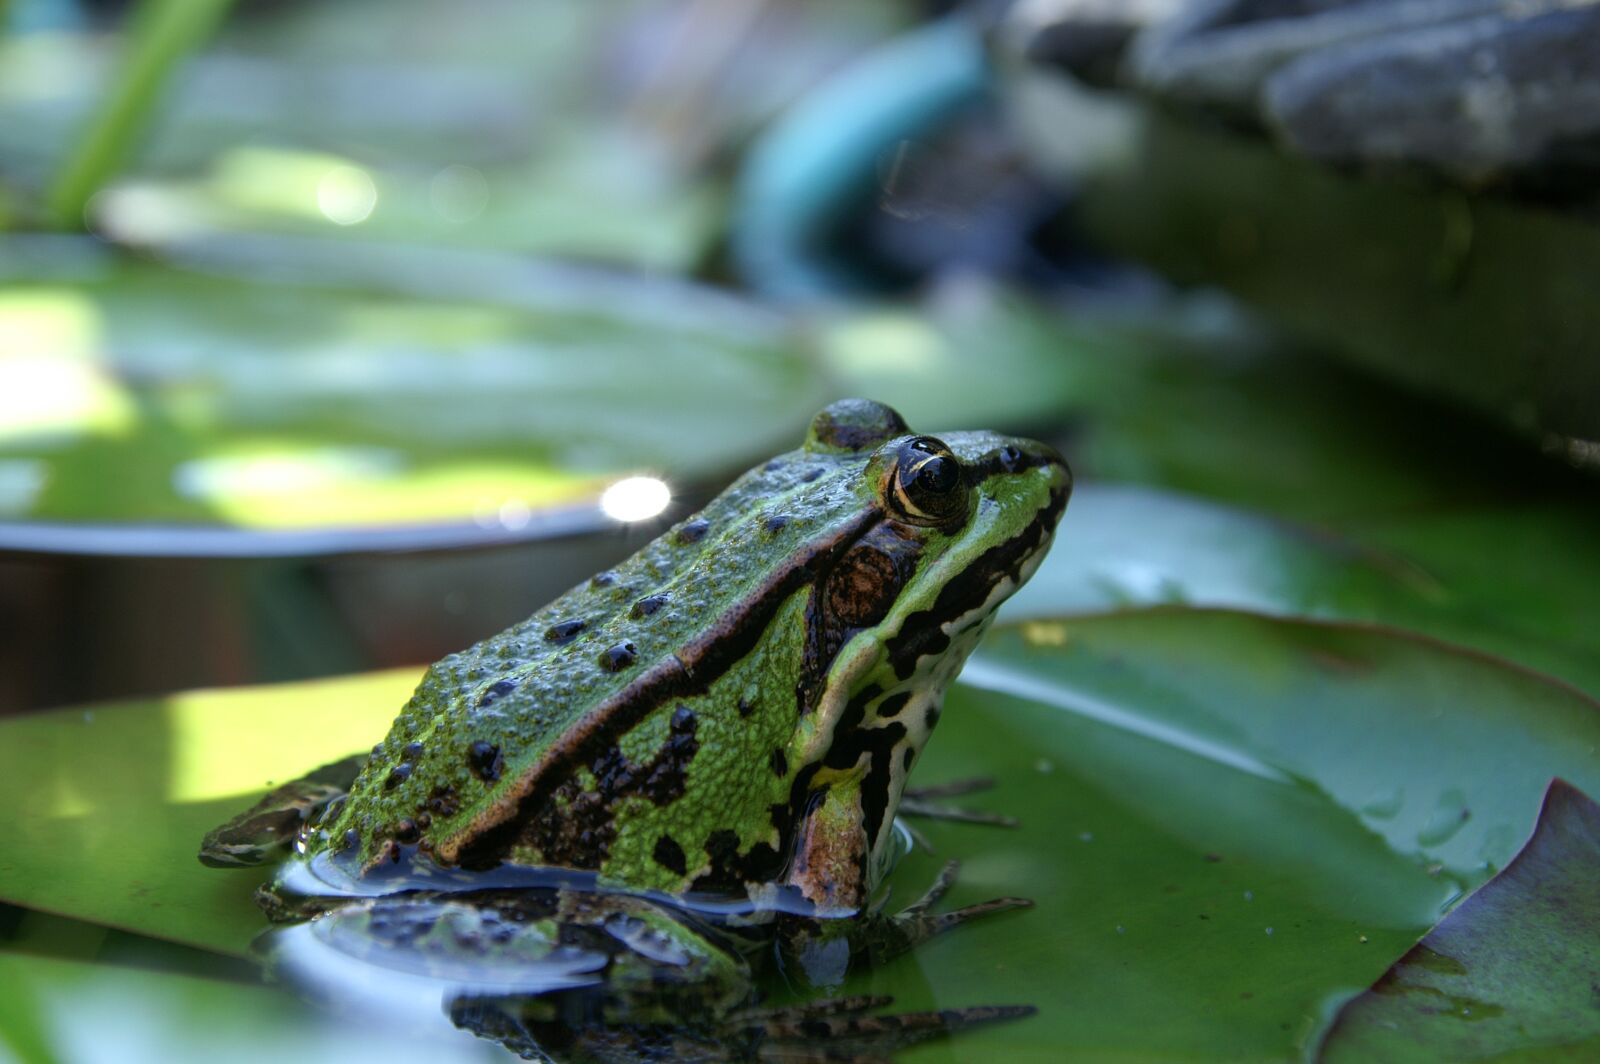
[636, 499]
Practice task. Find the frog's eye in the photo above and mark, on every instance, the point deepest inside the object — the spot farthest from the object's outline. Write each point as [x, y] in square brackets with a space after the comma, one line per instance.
[928, 485]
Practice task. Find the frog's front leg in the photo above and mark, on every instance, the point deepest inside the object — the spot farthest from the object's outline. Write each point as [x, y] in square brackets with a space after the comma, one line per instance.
[820, 952]
[265, 831]
[839, 861]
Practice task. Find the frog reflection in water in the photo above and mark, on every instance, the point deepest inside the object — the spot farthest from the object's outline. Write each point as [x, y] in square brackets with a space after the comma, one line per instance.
[711, 740]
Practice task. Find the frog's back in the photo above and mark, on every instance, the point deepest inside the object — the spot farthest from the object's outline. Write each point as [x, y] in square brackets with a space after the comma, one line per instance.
[502, 725]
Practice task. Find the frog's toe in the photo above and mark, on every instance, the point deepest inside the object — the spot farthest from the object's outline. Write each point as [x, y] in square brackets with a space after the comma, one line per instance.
[884, 937]
[924, 802]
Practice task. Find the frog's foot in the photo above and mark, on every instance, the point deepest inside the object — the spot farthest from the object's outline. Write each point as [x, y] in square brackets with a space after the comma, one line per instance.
[264, 832]
[884, 936]
[923, 802]
[844, 1029]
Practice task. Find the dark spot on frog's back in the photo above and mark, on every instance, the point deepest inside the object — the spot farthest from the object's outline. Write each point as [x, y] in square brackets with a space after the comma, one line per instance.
[780, 763]
[485, 761]
[694, 531]
[412, 752]
[647, 606]
[605, 579]
[397, 775]
[444, 801]
[619, 656]
[746, 707]
[566, 631]
[497, 690]
[776, 523]
[669, 855]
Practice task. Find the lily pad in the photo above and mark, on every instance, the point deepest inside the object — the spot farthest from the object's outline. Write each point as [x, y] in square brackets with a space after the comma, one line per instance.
[1513, 970]
[1228, 820]
[1521, 582]
[133, 392]
[118, 797]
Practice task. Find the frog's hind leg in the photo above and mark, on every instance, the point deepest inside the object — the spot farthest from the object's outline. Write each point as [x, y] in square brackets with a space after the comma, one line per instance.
[264, 832]
[845, 1029]
[925, 802]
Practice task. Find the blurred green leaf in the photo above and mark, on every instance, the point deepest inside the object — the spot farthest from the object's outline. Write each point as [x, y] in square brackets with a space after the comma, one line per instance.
[1522, 582]
[1511, 972]
[160, 35]
[1178, 400]
[1228, 820]
[138, 393]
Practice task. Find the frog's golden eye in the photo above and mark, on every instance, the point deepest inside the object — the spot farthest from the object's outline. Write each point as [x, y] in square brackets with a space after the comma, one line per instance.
[928, 485]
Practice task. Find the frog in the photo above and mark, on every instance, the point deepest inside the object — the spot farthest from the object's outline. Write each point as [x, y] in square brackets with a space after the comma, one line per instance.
[597, 827]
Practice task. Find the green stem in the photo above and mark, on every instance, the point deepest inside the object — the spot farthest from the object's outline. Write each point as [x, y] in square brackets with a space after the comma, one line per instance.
[160, 33]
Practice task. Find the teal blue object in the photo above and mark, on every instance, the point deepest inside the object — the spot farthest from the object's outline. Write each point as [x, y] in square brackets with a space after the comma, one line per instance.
[817, 160]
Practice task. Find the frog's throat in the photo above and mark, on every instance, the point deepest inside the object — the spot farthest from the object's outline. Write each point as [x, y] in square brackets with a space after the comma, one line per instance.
[689, 672]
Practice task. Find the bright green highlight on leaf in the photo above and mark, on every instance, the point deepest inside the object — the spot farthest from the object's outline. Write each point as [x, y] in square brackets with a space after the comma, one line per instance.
[109, 803]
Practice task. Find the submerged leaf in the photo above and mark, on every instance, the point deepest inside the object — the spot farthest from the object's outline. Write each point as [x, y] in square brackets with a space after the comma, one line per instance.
[1515, 969]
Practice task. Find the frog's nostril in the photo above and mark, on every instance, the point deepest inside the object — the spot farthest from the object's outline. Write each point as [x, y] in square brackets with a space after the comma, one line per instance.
[1010, 458]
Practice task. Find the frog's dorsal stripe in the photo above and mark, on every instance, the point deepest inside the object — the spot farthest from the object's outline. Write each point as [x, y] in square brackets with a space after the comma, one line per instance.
[688, 672]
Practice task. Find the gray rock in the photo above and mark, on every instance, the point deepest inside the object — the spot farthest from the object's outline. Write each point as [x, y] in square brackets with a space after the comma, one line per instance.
[1220, 54]
[1478, 101]
[1086, 38]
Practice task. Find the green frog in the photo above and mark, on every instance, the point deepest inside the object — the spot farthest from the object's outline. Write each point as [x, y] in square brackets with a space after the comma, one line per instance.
[593, 826]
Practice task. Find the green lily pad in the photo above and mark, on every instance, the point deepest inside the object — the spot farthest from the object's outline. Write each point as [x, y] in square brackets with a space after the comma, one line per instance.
[132, 788]
[1229, 821]
[1513, 970]
[138, 393]
[1521, 582]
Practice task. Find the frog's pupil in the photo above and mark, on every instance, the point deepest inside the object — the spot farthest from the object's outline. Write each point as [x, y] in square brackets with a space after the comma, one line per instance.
[937, 475]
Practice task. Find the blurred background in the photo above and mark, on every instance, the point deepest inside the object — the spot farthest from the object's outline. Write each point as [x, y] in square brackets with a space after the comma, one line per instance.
[325, 328]
[322, 326]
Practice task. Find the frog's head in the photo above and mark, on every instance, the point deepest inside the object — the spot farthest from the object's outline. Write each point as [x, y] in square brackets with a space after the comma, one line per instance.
[965, 518]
